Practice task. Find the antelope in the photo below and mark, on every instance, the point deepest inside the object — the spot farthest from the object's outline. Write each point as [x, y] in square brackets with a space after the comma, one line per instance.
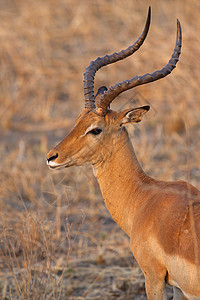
[161, 218]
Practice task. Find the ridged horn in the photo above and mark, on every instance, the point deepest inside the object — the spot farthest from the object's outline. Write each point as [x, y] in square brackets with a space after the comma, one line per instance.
[108, 96]
[100, 62]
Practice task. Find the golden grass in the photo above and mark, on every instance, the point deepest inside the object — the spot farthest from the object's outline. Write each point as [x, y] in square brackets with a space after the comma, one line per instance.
[77, 251]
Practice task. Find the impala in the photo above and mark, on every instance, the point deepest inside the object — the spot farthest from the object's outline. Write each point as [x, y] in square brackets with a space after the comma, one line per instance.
[161, 218]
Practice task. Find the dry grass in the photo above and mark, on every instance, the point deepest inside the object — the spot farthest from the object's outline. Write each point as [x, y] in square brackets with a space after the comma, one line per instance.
[57, 240]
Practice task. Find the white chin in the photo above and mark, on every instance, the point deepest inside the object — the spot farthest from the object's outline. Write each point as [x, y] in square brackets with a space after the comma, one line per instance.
[52, 164]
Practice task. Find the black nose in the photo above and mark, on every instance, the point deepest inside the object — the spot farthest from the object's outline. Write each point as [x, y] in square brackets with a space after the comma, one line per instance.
[52, 157]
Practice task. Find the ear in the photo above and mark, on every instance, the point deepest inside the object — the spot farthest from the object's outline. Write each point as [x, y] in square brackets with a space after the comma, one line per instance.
[133, 115]
[99, 93]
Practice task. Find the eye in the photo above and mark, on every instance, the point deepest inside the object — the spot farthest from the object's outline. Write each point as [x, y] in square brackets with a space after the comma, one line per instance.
[95, 131]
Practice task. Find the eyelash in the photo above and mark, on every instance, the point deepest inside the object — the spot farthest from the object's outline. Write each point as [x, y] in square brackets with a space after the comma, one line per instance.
[95, 131]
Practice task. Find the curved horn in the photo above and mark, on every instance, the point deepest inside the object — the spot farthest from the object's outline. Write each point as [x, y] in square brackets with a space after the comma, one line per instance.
[94, 66]
[118, 88]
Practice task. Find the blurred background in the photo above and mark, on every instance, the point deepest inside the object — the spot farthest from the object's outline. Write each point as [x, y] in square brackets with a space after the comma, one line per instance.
[57, 239]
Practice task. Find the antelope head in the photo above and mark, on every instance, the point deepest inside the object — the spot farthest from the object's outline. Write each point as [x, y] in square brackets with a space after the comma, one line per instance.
[97, 128]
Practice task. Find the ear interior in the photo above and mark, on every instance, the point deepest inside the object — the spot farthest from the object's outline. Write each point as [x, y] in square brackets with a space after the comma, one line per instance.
[134, 115]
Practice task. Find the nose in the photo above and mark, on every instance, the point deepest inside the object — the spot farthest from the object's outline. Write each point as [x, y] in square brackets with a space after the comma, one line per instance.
[52, 157]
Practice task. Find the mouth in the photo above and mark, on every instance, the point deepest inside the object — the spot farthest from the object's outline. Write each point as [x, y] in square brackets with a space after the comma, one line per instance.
[53, 165]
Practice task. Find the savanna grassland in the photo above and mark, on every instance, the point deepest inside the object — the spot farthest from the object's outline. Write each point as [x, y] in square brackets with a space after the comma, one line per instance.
[57, 239]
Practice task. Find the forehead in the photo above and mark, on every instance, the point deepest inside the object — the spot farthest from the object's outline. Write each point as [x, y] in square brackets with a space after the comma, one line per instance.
[86, 118]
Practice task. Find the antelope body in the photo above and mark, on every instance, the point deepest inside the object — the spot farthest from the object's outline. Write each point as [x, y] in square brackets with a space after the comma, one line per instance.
[162, 219]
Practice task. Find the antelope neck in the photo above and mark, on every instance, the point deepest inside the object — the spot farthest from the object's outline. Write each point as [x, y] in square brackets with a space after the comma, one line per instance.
[121, 180]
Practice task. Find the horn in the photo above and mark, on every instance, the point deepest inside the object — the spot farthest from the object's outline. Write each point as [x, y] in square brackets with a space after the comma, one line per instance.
[100, 62]
[118, 88]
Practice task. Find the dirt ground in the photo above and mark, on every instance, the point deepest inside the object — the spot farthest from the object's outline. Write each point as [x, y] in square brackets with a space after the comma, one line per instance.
[57, 239]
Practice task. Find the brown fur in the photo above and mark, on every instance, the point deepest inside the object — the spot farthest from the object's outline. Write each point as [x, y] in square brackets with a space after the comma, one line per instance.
[161, 218]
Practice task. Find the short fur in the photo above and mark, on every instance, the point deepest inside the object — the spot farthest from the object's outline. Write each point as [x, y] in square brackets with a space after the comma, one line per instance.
[161, 218]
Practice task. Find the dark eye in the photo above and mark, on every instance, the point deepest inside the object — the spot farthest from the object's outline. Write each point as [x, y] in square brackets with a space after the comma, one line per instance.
[95, 131]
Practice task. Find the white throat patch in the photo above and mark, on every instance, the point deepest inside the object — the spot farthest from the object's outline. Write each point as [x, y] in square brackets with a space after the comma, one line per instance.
[94, 171]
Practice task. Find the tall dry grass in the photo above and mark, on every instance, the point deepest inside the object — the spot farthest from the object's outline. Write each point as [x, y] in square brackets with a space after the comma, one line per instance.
[57, 240]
